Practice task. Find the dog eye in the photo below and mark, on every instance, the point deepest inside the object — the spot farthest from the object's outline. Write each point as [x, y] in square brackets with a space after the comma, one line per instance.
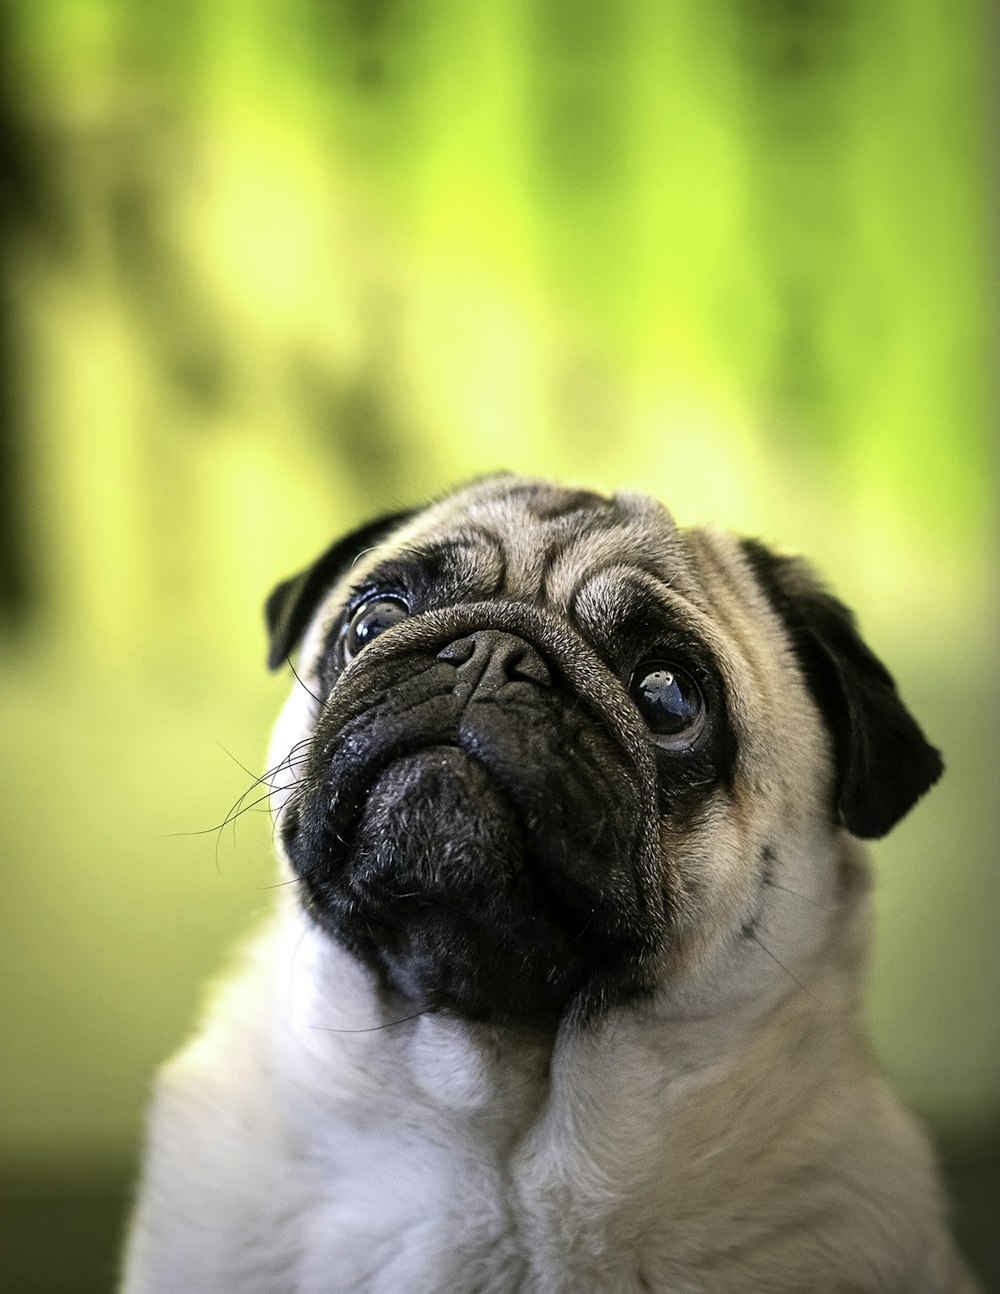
[371, 618]
[670, 701]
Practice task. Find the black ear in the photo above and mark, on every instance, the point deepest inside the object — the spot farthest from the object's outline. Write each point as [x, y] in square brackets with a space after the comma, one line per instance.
[290, 606]
[883, 761]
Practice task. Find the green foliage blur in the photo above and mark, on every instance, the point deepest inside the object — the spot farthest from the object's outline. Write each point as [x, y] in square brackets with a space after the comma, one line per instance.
[271, 267]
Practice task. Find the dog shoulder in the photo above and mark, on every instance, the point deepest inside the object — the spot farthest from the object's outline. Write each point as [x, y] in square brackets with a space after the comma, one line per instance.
[214, 1149]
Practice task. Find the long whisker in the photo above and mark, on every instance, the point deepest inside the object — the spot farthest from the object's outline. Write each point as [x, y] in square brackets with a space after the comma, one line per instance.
[298, 679]
[249, 771]
[390, 1024]
[237, 810]
[808, 992]
[806, 898]
[256, 782]
[297, 757]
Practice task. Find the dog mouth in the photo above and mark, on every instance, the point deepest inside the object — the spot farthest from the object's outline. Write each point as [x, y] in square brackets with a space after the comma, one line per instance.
[477, 853]
[462, 909]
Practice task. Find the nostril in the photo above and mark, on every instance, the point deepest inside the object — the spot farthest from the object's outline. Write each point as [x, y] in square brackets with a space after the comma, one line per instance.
[527, 664]
[489, 658]
[457, 652]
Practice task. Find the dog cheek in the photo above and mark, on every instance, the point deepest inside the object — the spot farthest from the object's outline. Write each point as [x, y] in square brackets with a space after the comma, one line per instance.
[704, 856]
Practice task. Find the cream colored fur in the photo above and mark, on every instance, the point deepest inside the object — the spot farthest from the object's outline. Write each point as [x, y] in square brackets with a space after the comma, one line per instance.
[729, 1137]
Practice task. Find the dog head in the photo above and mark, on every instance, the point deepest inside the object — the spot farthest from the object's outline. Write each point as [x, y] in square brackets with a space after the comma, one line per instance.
[547, 753]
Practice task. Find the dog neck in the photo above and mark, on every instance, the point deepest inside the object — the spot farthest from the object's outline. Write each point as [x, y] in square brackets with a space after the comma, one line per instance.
[386, 1152]
[582, 1120]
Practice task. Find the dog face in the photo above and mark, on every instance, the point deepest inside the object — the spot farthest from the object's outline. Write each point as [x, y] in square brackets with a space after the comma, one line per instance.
[548, 754]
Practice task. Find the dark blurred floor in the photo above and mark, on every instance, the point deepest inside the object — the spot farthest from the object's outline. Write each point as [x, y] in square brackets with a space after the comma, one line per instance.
[61, 1243]
[69, 1243]
[975, 1193]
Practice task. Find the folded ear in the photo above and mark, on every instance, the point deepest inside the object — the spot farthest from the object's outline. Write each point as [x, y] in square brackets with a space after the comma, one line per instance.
[290, 606]
[883, 761]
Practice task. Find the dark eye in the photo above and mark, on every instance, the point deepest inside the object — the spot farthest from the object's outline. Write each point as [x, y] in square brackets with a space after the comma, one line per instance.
[670, 701]
[372, 618]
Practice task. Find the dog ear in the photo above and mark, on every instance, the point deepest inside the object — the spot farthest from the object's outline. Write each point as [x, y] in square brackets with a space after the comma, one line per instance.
[290, 606]
[883, 761]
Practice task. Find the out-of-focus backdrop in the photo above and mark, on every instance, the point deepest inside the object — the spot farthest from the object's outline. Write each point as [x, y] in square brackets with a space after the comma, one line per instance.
[270, 267]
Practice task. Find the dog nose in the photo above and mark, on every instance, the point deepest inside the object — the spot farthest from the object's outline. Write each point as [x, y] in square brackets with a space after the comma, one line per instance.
[489, 658]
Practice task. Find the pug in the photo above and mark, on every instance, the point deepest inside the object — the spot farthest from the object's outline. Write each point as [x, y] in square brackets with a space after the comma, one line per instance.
[563, 990]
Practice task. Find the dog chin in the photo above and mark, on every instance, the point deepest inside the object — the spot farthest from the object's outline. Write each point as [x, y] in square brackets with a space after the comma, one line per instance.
[439, 890]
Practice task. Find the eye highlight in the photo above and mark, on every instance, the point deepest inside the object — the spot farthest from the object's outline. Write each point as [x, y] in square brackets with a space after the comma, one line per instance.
[374, 616]
[670, 701]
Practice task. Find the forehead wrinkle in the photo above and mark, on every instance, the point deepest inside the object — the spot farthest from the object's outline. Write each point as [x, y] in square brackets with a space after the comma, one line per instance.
[737, 669]
[532, 542]
[731, 613]
[730, 609]
[568, 543]
[618, 576]
[545, 535]
[663, 560]
[690, 615]
[487, 551]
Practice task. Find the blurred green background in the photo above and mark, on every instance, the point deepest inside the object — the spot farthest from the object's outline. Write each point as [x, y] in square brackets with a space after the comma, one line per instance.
[270, 267]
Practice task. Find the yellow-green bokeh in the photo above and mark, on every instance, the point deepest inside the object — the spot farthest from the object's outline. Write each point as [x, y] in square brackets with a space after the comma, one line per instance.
[282, 264]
